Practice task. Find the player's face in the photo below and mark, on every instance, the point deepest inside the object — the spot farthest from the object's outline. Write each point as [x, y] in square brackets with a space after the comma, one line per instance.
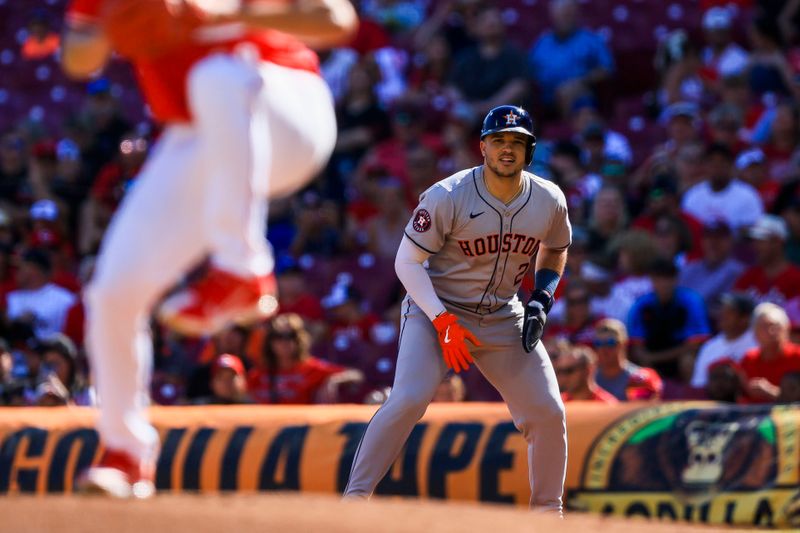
[504, 153]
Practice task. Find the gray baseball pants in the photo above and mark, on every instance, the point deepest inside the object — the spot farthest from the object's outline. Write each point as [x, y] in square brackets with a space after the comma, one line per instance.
[526, 382]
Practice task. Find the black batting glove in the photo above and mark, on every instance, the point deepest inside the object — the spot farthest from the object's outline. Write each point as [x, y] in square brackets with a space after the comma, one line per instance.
[536, 311]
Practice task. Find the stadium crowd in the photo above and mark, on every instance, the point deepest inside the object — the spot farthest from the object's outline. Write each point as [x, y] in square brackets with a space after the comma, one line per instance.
[678, 151]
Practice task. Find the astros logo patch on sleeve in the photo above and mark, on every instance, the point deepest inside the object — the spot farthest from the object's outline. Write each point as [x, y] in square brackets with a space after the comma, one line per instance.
[422, 221]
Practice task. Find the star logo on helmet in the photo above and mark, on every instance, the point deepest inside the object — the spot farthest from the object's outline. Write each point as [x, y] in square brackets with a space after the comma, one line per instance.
[511, 119]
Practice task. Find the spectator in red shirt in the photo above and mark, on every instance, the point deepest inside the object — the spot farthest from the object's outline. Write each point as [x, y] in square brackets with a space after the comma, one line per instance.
[294, 297]
[364, 191]
[578, 321]
[369, 37]
[575, 370]
[347, 316]
[290, 374]
[228, 383]
[765, 366]
[773, 278]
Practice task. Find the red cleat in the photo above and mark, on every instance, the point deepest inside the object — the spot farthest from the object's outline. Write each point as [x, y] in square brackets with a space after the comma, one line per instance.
[118, 475]
[218, 299]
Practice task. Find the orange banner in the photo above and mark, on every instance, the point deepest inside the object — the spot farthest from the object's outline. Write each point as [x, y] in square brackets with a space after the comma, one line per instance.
[700, 462]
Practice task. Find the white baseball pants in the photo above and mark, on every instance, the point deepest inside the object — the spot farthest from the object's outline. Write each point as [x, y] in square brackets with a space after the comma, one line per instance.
[260, 130]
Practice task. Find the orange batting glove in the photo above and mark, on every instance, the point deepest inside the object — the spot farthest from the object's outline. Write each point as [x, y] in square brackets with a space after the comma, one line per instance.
[451, 338]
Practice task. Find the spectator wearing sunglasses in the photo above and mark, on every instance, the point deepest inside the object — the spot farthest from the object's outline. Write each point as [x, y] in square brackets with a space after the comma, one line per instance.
[575, 371]
[290, 374]
[615, 373]
[577, 322]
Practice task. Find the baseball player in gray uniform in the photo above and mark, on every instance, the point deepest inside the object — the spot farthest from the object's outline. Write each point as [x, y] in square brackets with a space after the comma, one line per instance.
[465, 252]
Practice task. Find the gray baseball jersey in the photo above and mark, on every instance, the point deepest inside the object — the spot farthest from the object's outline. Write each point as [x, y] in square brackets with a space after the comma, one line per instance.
[481, 247]
[480, 251]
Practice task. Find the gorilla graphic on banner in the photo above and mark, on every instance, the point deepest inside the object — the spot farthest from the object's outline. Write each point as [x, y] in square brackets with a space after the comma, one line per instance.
[715, 465]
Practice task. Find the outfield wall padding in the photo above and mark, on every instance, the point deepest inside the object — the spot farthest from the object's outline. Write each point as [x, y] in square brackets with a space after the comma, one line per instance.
[700, 462]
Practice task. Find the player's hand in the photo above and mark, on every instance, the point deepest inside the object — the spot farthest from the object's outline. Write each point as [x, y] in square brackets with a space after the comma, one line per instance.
[535, 318]
[452, 337]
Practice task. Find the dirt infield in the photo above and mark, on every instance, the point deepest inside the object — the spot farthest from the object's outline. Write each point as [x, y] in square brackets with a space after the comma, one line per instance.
[295, 513]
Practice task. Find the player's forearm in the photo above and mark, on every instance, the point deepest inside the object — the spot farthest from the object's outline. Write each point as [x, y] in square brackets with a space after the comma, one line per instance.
[549, 268]
[318, 22]
[554, 260]
[84, 51]
[411, 273]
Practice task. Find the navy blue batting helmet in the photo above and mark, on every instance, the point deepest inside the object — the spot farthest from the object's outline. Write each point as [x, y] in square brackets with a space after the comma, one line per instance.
[510, 118]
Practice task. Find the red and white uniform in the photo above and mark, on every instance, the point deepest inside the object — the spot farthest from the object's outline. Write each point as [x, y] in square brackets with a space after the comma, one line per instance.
[163, 80]
[247, 116]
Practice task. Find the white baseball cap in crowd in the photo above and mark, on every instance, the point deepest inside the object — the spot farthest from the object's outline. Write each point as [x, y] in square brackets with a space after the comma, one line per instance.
[67, 150]
[340, 294]
[689, 110]
[754, 156]
[44, 210]
[769, 226]
[717, 18]
[594, 273]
